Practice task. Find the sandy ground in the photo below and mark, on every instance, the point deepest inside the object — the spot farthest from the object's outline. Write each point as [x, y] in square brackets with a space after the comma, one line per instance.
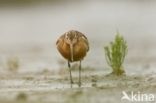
[48, 87]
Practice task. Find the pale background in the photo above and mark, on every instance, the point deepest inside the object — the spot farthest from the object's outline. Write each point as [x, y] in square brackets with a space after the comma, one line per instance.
[29, 30]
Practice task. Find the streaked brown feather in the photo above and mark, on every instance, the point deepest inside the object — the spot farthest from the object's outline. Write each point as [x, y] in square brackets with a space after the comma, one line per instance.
[79, 49]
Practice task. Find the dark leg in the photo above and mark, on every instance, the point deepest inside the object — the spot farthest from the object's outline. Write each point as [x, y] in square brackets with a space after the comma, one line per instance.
[80, 74]
[71, 80]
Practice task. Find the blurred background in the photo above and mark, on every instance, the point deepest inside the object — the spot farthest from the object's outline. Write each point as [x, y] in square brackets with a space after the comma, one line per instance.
[29, 30]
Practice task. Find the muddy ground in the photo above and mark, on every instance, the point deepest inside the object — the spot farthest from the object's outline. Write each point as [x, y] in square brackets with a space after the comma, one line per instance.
[50, 87]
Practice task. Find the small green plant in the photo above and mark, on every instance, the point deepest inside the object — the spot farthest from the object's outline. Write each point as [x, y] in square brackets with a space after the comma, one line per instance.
[115, 54]
[22, 97]
[13, 64]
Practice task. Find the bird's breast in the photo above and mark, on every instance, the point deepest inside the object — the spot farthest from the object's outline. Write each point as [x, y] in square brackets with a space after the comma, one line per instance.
[79, 51]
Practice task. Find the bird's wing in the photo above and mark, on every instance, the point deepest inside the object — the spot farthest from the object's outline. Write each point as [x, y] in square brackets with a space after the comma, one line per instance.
[85, 39]
[61, 38]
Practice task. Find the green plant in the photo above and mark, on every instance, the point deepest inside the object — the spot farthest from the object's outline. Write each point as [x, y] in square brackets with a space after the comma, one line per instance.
[115, 54]
[22, 97]
[13, 64]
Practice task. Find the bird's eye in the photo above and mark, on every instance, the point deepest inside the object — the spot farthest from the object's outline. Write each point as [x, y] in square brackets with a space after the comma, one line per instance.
[66, 36]
[75, 36]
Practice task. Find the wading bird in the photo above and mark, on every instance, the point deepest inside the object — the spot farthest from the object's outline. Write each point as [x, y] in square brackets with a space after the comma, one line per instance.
[73, 46]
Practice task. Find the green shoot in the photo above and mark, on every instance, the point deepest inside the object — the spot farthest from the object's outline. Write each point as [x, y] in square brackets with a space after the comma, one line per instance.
[115, 54]
[13, 64]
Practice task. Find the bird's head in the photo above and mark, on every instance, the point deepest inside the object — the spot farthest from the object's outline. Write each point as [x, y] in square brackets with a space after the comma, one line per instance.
[71, 37]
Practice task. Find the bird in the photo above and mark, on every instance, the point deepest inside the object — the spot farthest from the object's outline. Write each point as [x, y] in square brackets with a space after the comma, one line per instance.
[73, 46]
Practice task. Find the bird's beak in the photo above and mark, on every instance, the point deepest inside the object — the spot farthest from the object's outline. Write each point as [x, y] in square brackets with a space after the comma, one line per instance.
[71, 51]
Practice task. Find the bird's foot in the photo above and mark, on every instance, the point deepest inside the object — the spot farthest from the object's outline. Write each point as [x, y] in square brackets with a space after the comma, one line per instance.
[79, 84]
[72, 82]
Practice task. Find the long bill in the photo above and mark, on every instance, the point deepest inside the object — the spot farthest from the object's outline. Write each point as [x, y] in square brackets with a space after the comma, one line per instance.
[71, 51]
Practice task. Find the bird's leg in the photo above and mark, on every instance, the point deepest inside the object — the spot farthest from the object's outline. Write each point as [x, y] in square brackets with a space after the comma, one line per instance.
[71, 80]
[80, 74]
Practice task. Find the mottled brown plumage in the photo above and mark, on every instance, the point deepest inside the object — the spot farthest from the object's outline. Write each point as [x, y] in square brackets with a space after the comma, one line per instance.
[73, 46]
